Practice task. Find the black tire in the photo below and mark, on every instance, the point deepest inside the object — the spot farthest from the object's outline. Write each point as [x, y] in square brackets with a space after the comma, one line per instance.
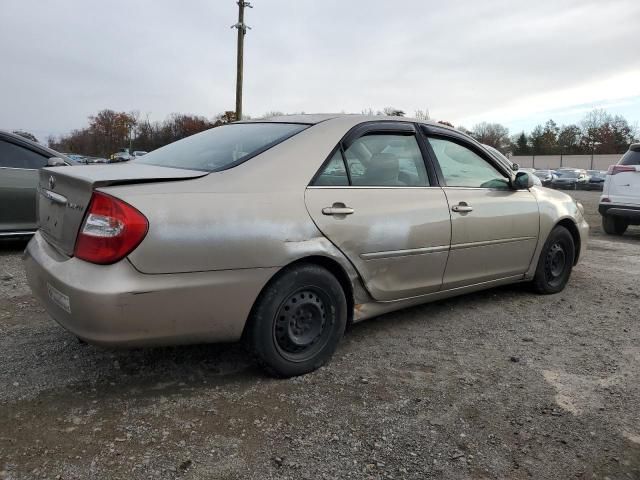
[614, 225]
[555, 262]
[297, 321]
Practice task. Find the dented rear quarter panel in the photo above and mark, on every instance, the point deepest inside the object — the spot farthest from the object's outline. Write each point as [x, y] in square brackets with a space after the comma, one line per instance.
[250, 216]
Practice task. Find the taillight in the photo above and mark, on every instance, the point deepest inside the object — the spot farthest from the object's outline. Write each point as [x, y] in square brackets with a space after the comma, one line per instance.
[613, 169]
[110, 231]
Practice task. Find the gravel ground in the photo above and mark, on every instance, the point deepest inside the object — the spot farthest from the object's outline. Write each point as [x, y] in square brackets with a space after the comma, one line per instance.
[499, 384]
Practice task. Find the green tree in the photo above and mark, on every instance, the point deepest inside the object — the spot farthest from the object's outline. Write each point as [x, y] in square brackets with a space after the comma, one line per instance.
[549, 138]
[569, 139]
[535, 140]
[521, 145]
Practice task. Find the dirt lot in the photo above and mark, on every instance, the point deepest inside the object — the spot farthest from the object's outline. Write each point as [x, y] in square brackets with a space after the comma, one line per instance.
[499, 384]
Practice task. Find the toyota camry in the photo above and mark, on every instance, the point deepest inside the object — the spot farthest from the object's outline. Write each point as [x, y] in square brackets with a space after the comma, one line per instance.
[281, 232]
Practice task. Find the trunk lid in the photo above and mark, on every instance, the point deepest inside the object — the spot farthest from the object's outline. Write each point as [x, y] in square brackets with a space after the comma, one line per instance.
[64, 194]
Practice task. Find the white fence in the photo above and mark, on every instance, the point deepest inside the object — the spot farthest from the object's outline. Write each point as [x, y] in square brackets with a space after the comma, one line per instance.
[588, 162]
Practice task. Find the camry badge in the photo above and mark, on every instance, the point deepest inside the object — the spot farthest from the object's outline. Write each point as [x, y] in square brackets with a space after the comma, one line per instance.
[52, 182]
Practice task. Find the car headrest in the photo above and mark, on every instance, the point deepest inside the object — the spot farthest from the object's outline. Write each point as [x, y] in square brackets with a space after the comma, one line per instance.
[383, 169]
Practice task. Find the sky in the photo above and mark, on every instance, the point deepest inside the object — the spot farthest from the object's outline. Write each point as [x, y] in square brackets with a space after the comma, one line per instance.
[516, 62]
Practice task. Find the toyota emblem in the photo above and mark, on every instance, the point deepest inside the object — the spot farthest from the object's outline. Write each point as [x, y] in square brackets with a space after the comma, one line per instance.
[52, 182]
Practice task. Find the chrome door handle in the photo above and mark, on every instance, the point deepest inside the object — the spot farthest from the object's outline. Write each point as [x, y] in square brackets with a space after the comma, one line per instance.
[462, 207]
[337, 211]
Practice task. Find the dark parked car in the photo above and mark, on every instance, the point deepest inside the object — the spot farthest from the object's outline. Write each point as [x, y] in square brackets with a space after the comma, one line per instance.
[20, 160]
[545, 176]
[596, 180]
[573, 179]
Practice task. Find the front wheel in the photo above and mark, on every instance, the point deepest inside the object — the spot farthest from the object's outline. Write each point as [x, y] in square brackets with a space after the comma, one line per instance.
[555, 262]
[614, 225]
[297, 321]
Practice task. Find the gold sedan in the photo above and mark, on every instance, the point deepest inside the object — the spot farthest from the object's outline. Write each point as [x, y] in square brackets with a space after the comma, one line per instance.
[281, 232]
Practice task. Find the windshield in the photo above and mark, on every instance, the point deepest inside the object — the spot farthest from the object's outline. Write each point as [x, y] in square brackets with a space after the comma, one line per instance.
[221, 147]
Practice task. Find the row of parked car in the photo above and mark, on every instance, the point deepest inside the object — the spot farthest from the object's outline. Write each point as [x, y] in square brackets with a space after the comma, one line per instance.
[121, 155]
[569, 178]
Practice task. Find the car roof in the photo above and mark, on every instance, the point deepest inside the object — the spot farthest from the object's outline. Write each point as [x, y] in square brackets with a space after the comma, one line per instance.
[25, 142]
[315, 118]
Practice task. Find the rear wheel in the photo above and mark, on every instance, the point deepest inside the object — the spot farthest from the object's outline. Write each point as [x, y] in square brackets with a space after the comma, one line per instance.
[555, 262]
[297, 321]
[614, 225]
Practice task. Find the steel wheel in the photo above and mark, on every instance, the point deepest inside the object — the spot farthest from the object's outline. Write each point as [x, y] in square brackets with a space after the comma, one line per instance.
[297, 321]
[555, 262]
[301, 325]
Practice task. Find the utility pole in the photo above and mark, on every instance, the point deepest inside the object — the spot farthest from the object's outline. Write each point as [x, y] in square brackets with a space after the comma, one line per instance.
[242, 31]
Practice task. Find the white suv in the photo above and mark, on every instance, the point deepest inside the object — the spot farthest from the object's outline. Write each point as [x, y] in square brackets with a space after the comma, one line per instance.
[620, 200]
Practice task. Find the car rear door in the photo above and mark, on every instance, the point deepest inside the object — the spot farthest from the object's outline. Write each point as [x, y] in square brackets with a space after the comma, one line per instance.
[377, 201]
[18, 184]
[494, 229]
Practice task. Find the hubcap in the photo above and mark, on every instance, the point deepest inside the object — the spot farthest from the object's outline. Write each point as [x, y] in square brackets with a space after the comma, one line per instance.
[302, 323]
[556, 260]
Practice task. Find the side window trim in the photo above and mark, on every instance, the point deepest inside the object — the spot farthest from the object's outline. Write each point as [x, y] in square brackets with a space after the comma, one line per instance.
[346, 165]
[368, 128]
[466, 144]
[434, 173]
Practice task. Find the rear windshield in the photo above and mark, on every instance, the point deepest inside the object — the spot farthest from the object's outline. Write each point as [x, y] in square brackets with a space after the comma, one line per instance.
[630, 158]
[568, 174]
[221, 148]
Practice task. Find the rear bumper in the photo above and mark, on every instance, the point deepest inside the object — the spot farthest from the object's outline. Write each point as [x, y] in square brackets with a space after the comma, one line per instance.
[116, 305]
[625, 211]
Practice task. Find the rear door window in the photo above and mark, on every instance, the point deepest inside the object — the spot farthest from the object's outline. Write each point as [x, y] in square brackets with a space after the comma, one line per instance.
[377, 160]
[383, 160]
[334, 173]
[15, 156]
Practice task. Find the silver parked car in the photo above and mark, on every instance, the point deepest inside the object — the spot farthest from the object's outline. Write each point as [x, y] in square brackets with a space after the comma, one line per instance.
[283, 231]
[20, 160]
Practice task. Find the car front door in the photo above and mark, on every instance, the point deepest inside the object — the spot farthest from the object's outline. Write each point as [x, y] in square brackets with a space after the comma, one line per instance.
[494, 228]
[18, 183]
[377, 201]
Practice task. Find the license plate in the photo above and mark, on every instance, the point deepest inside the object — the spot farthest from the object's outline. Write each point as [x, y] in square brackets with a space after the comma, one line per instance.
[59, 298]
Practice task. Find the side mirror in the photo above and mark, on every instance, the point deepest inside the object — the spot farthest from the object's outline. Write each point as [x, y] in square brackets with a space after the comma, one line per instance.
[515, 167]
[55, 162]
[522, 180]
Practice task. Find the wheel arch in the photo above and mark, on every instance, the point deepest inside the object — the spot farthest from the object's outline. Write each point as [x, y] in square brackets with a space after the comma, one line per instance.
[570, 225]
[330, 264]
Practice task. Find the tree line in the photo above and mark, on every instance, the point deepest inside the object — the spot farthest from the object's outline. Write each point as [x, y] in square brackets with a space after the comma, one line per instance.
[599, 132]
[108, 131]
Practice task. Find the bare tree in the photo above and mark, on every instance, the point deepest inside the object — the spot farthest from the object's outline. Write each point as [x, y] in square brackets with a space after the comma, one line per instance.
[27, 135]
[492, 134]
[422, 114]
[393, 112]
